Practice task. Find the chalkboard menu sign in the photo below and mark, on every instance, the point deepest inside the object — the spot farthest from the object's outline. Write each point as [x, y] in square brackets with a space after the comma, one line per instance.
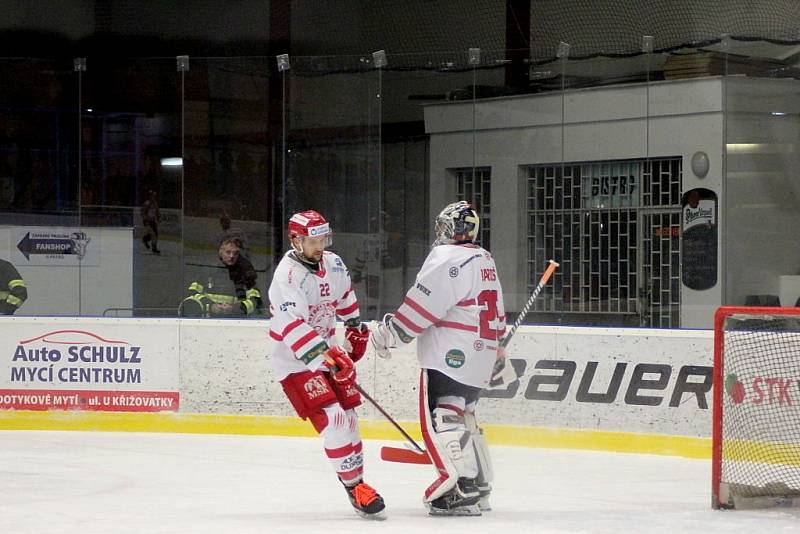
[699, 239]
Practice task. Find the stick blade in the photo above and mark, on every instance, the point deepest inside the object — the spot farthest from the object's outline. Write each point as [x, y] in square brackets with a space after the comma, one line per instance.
[404, 456]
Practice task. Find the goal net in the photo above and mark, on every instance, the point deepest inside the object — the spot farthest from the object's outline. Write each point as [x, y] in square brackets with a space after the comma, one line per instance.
[756, 413]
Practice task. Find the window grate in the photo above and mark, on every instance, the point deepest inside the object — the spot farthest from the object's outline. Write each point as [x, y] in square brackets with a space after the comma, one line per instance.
[612, 227]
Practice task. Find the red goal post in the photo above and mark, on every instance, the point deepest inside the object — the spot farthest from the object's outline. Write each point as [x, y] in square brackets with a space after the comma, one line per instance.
[756, 408]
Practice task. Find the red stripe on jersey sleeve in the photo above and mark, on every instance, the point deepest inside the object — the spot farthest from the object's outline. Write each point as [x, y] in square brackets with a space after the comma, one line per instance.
[420, 310]
[457, 326]
[407, 323]
[349, 309]
[275, 336]
[303, 340]
[291, 326]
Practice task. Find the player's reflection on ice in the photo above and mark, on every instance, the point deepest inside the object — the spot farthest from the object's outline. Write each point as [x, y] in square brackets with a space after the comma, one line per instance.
[102, 482]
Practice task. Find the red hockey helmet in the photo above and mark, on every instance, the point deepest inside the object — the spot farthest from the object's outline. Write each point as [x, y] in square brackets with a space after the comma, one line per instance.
[310, 224]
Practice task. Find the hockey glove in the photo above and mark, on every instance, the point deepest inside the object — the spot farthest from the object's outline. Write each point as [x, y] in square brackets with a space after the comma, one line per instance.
[383, 337]
[342, 369]
[503, 372]
[355, 341]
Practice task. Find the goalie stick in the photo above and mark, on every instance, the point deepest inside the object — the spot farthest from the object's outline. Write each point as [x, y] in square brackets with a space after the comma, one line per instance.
[403, 455]
[551, 268]
[502, 376]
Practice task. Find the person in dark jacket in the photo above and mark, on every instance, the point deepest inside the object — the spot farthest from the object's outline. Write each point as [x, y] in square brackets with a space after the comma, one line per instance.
[246, 300]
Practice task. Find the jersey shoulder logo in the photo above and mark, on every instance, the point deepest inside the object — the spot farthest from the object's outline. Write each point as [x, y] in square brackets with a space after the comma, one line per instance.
[453, 272]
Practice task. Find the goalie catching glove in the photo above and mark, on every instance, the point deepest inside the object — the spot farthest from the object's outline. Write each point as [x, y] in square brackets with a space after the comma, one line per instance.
[386, 334]
[355, 340]
[342, 369]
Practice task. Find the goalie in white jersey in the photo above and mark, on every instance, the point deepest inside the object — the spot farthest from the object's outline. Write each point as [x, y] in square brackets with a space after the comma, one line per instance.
[455, 309]
[310, 288]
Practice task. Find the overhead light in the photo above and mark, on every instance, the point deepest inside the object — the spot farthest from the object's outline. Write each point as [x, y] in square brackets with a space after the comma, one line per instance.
[778, 113]
[171, 162]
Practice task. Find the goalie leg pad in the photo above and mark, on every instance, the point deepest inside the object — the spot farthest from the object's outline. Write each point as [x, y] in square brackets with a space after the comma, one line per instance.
[484, 460]
[452, 436]
[449, 446]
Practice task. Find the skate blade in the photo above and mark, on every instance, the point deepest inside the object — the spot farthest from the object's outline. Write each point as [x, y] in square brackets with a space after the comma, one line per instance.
[379, 516]
[471, 510]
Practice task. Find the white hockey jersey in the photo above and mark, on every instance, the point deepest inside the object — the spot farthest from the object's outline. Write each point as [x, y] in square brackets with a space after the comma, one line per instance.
[304, 306]
[456, 309]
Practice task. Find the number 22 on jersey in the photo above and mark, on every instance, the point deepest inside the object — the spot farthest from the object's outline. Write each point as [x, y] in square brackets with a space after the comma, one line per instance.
[325, 290]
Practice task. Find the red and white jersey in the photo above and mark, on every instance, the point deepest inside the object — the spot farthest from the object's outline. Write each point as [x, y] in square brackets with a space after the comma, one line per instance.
[304, 306]
[456, 310]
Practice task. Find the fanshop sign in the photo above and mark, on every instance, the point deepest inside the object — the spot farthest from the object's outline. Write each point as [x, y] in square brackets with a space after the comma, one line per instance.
[56, 246]
[86, 368]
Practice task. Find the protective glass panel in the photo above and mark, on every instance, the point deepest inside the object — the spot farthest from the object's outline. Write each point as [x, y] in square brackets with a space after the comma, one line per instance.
[41, 244]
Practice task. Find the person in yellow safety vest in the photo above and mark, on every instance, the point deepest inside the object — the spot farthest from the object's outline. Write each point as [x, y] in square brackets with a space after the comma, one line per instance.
[202, 304]
[12, 289]
[247, 300]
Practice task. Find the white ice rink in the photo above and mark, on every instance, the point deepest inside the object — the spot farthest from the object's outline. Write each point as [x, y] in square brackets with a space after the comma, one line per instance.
[80, 482]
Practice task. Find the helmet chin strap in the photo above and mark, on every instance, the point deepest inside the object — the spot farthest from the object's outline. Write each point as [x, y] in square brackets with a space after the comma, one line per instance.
[299, 256]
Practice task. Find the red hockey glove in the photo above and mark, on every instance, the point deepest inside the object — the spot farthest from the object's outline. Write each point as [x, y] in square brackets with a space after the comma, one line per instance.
[342, 369]
[355, 341]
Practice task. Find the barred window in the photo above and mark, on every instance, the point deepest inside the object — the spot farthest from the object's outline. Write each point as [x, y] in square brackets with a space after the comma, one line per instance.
[614, 226]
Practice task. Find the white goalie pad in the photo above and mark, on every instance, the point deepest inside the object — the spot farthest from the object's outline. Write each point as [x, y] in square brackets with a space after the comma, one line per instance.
[484, 460]
[448, 441]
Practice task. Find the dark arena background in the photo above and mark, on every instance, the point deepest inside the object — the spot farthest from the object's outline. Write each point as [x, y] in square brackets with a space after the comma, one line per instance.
[650, 148]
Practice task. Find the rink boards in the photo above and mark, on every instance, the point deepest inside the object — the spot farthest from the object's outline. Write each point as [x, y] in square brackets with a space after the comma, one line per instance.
[637, 390]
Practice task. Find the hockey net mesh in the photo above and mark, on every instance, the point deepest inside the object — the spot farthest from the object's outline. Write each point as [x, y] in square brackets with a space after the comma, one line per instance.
[760, 437]
[616, 27]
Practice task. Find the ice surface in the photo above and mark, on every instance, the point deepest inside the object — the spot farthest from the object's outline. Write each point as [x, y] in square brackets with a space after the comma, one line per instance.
[98, 482]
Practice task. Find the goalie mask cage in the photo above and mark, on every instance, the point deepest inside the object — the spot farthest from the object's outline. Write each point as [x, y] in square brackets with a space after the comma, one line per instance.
[756, 412]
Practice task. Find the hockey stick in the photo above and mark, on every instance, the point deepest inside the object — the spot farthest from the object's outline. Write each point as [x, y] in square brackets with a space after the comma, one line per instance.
[506, 374]
[398, 454]
[551, 268]
[388, 417]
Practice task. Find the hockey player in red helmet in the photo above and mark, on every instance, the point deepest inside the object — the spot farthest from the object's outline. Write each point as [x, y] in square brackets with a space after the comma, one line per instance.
[309, 290]
[455, 310]
[310, 234]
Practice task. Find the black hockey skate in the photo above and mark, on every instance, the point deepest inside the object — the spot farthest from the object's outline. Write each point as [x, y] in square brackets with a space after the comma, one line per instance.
[366, 501]
[461, 500]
